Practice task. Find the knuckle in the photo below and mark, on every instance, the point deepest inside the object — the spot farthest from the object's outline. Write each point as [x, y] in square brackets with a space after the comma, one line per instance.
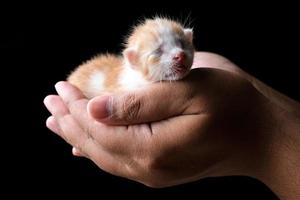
[84, 145]
[65, 124]
[153, 161]
[154, 164]
[74, 105]
[153, 174]
[154, 183]
[147, 167]
[130, 108]
[71, 133]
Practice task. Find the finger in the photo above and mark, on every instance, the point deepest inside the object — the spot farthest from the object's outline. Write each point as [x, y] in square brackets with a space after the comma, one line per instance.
[76, 104]
[85, 143]
[76, 152]
[54, 104]
[156, 102]
[52, 125]
[62, 123]
[208, 60]
[71, 131]
[115, 139]
[212, 60]
[91, 149]
[68, 92]
[75, 101]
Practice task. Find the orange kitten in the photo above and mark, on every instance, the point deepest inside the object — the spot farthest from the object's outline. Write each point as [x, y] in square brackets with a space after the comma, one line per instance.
[157, 50]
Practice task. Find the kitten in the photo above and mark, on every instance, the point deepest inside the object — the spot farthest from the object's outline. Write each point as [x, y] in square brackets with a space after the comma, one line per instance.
[158, 49]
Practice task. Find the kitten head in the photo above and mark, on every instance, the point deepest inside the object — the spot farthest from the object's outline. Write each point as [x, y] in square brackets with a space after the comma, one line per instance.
[161, 48]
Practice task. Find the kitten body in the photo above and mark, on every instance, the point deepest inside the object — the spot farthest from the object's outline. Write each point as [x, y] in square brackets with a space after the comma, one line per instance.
[158, 49]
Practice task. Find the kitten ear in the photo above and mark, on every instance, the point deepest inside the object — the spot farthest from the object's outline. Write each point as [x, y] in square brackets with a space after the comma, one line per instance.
[188, 32]
[130, 56]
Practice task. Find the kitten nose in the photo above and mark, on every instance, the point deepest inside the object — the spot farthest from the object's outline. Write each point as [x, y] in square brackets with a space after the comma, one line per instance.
[179, 57]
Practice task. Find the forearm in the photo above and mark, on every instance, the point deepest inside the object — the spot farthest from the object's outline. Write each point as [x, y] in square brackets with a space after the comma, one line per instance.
[280, 151]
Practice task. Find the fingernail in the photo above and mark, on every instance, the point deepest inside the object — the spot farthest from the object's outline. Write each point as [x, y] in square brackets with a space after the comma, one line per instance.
[48, 101]
[76, 152]
[52, 124]
[99, 107]
[59, 86]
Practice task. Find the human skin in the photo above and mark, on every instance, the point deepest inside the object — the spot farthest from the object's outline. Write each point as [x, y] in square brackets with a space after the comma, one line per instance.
[218, 121]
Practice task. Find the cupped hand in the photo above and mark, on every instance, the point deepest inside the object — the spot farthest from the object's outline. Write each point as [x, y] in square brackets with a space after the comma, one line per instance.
[208, 124]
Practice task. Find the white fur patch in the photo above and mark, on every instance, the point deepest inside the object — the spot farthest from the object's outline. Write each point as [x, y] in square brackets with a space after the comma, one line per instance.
[131, 79]
[96, 84]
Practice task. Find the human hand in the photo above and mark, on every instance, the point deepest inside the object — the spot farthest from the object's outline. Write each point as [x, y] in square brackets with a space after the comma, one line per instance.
[187, 129]
[212, 123]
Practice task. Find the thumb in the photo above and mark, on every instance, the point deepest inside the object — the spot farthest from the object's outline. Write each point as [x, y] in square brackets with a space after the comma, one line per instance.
[154, 103]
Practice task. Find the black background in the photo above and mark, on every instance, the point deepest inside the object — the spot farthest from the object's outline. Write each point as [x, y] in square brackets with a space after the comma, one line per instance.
[41, 43]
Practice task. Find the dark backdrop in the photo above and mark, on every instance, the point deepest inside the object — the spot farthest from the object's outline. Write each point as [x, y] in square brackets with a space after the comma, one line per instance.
[41, 43]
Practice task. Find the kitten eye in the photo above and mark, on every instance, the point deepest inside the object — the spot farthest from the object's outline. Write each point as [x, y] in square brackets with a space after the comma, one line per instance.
[181, 43]
[158, 51]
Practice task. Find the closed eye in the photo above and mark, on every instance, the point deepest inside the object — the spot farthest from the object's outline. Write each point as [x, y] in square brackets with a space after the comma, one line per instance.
[158, 51]
[181, 43]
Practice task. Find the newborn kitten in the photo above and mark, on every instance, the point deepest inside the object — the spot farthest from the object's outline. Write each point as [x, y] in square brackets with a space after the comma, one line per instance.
[158, 49]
